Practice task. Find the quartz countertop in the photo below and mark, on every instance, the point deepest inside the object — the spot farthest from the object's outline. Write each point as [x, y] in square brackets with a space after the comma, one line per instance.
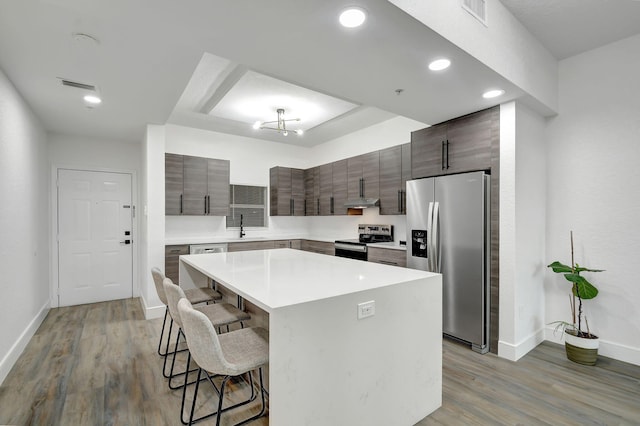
[393, 245]
[221, 240]
[277, 278]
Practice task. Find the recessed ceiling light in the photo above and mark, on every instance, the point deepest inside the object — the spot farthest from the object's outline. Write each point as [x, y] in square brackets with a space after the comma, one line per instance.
[92, 99]
[352, 17]
[493, 93]
[439, 64]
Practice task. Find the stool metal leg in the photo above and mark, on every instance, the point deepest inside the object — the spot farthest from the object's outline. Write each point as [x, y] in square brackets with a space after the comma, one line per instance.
[171, 375]
[164, 323]
[221, 410]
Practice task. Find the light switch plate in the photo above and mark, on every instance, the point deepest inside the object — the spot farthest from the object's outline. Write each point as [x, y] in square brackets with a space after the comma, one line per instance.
[366, 309]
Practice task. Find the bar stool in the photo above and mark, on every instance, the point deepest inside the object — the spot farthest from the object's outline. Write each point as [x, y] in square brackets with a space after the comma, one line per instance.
[195, 296]
[219, 315]
[230, 355]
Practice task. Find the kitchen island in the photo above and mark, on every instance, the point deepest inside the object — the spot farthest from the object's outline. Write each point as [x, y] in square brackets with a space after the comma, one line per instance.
[326, 365]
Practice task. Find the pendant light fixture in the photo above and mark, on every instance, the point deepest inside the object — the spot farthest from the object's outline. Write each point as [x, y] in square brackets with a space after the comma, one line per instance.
[280, 123]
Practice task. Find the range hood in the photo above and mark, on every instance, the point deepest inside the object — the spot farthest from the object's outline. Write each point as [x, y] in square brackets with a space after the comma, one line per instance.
[362, 203]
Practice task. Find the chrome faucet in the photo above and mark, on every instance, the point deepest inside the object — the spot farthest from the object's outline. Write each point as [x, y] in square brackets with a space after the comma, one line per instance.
[242, 233]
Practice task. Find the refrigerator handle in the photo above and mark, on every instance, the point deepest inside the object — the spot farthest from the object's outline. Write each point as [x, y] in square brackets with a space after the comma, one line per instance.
[435, 237]
[430, 264]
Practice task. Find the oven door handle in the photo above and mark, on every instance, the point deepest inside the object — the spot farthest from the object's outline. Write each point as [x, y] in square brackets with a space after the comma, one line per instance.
[351, 247]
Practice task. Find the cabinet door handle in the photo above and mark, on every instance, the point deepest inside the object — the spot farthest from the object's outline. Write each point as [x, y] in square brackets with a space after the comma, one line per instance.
[291, 206]
[400, 200]
[447, 153]
[442, 157]
[180, 203]
[305, 206]
[205, 204]
[331, 202]
[318, 206]
[404, 201]
[208, 204]
[388, 262]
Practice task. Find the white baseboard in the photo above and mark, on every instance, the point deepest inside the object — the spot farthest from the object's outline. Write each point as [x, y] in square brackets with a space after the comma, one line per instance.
[514, 352]
[16, 350]
[620, 352]
[607, 348]
[152, 312]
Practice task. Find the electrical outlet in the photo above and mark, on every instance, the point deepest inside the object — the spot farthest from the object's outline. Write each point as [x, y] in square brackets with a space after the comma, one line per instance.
[366, 309]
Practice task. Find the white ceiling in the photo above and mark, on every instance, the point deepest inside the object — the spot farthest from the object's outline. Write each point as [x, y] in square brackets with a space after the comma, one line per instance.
[223, 92]
[160, 61]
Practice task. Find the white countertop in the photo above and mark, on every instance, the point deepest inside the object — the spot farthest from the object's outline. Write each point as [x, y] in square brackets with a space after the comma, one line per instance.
[278, 278]
[390, 245]
[221, 240]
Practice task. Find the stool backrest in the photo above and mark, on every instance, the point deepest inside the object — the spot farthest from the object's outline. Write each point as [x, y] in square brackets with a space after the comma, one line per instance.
[158, 277]
[174, 294]
[203, 341]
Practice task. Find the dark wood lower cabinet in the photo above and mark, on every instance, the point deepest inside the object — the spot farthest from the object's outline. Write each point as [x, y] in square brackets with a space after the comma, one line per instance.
[251, 245]
[321, 247]
[387, 256]
[171, 258]
[293, 244]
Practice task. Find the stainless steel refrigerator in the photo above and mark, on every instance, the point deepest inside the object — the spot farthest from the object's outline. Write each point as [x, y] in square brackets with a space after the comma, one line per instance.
[448, 232]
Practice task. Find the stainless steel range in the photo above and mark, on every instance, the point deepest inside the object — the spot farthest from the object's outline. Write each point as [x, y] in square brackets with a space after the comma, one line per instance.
[357, 248]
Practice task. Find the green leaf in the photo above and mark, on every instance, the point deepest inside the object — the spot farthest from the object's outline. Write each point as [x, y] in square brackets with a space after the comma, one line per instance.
[582, 288]
[559, 267]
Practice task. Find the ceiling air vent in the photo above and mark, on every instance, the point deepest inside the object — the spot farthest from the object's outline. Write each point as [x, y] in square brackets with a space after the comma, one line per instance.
[78, 85]
[477, 8]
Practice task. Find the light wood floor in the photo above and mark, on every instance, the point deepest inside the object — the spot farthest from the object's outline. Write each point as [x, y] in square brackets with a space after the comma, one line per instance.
[96, 364]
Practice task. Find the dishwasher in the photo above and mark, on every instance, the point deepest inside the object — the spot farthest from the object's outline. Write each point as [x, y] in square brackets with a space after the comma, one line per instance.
[207, 248]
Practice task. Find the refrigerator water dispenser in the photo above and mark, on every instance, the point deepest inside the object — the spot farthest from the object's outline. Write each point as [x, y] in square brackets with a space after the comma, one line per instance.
[418, 243]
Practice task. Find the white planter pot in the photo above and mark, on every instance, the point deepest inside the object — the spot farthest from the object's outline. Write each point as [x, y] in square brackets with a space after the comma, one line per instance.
[580, 349]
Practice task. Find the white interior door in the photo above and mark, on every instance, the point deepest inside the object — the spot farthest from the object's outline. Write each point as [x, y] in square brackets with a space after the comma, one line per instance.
[95, 254]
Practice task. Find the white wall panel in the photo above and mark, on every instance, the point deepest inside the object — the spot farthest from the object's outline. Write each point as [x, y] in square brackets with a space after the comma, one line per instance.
[24, 211]
[593, 185]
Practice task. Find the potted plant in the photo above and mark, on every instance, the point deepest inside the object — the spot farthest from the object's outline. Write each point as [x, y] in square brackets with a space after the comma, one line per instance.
[580, 344]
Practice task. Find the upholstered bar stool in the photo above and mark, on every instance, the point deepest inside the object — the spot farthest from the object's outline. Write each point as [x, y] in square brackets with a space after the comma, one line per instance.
[195, 296]
[219, 315]
[230, 355]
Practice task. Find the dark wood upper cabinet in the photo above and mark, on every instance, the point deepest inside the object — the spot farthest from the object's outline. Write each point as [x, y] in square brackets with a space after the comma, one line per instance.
[286, 191]
[196, 185]
[371, 174]
[406, 164]
[280, 191]
[469, 140]
[312, 191]
[339, 184]
[459, 145]
[354, 177]
[427, 150]
[218, 188]
[395, 170]
[297, 191]
[363, 176]
[173, 172]
[325, 187]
